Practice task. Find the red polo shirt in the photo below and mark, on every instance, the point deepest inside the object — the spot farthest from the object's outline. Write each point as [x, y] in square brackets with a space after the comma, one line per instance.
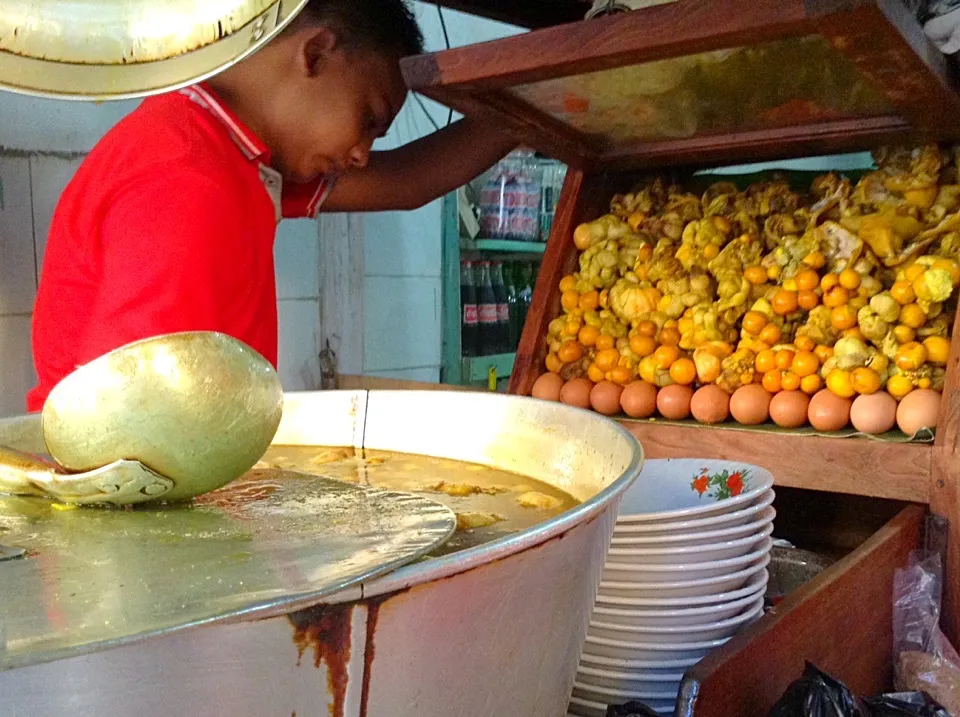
[168, 225]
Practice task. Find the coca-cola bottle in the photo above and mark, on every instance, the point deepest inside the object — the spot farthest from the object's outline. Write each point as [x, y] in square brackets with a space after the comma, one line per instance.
[488, 338]
[503, 308]
[510, 272]
[469, 312]
[525, 291]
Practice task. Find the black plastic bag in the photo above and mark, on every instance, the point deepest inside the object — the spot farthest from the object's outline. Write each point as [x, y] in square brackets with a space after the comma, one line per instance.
[906, 704]
[631, 709]
[816, 694]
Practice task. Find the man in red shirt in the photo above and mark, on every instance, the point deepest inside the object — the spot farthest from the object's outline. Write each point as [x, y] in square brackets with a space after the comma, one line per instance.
[169, 224]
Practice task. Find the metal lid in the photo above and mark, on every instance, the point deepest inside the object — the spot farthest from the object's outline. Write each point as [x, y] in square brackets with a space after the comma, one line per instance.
[114, 49]
[270, 543]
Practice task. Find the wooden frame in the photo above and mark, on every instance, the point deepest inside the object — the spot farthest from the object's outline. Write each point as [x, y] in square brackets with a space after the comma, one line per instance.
[883, 42]
[918, 473]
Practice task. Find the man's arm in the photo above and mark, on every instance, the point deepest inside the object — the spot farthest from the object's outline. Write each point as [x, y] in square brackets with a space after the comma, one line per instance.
[419, 172]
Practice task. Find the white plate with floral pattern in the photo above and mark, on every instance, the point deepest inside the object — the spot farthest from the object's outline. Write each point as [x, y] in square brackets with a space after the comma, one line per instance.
[675, 489]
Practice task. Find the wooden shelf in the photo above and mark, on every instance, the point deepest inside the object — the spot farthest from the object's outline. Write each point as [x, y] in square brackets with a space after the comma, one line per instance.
[856, 466]
[477, 368]
[503, 246]
[697, 82]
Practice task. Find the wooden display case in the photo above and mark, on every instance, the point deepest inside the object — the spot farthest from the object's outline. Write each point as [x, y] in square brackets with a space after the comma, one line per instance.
[700, 83]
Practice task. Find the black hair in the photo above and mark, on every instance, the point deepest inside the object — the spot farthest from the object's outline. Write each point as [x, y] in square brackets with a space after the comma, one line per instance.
[384, 26]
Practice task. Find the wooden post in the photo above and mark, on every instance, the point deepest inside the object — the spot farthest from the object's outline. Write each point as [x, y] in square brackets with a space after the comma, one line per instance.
[945, 486]
[341, 291]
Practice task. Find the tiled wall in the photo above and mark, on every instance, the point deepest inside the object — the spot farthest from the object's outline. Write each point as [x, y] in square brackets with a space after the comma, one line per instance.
[30, 185]
[402, 250]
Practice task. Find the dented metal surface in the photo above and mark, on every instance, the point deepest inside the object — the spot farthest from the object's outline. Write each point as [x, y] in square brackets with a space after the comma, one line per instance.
[112, 49]
[493, 630]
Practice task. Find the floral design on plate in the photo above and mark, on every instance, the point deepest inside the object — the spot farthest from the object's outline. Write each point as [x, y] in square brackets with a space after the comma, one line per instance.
[722, 485]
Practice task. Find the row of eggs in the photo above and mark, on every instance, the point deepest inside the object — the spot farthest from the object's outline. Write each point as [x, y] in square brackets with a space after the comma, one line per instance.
[750, 405]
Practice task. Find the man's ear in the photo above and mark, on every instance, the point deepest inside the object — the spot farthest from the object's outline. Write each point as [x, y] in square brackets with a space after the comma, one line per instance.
[317, 47]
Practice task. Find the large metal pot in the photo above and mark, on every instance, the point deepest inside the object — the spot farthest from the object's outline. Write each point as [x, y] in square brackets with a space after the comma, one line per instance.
[114, 49]
[494, 631]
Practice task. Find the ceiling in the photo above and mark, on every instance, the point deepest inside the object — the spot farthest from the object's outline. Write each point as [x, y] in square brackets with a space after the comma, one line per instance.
[525, 13]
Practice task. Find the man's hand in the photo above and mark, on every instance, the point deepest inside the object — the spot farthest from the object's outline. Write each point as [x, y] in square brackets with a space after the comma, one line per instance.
[419, 172]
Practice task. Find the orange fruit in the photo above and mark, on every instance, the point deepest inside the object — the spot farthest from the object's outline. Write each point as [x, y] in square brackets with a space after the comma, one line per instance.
[710, 251]
[904, 334]
[647, 328]
[865, 381]
[903, 293]
[766, 361]
[568, 283]
[554, 364]
[773, 272]
[595, 374]
[811, 384]
[605, 342]
[772, 381]
[829, 281]
[589, 301]
[665, 356]
[771, 335]
[804, 343]
[571, 351]
[784, 359]
[572, 327]
[784, 302]
[669, 336]
[620, 375]
[843, 317]
[913, 271]
[911, 356]
[840, 383]
[837, 296]
[683, 371]
[582, 237]
[607, 359]
[807, 300]
[790, 381]
[805, 363]
[824, 353]
[815, 260]
[899, 386]
[849, 279]
[913, 316]
[588, 336]
[753, 322]
[938, 349]
[642, 345]
[756, 275]
[646, 251]
[807, 280]
[569, 300]
[854, 333]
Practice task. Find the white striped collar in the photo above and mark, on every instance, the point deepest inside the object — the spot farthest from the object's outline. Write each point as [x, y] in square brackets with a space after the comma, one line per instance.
[251, 145]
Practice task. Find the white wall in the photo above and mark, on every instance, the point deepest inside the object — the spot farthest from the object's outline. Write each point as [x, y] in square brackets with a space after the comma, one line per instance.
[402, 250]
[30, 185]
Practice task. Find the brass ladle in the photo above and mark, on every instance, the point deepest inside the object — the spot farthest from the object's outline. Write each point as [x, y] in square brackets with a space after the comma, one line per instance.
[167, 418]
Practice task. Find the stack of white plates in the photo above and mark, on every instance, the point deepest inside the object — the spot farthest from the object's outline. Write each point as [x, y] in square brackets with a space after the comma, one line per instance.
[687, 570]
